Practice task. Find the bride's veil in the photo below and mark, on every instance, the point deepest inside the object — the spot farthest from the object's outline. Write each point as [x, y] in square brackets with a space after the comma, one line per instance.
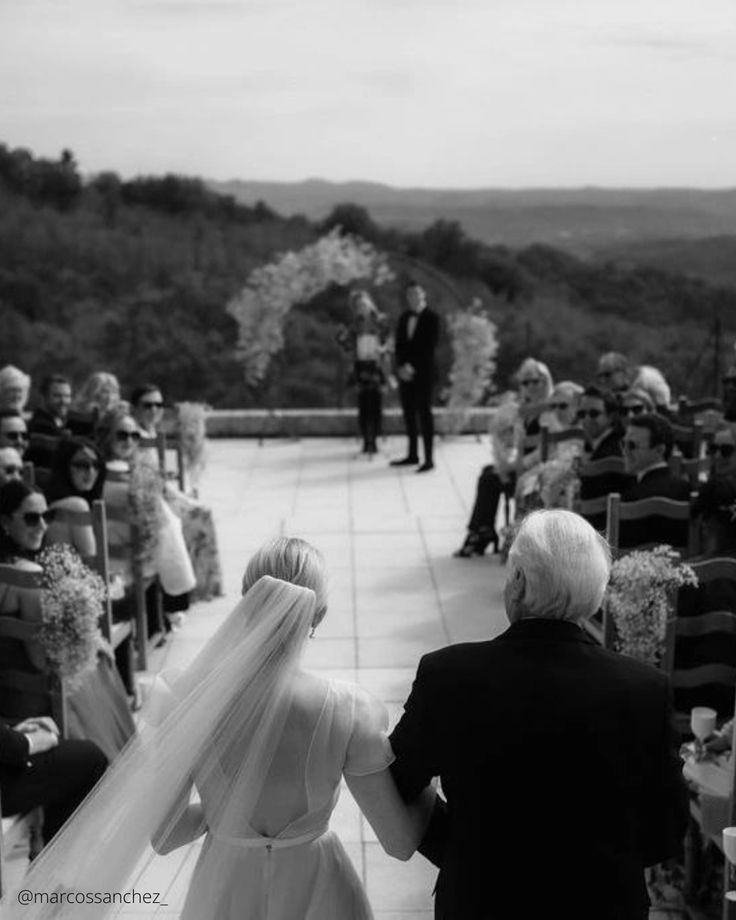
[218, 723]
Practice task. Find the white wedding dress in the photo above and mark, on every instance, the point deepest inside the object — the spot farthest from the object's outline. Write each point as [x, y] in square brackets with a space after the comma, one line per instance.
[264, 745]
[285, 863]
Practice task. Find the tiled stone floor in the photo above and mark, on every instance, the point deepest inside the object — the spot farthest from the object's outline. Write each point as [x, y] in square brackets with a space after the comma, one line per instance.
[395, 593]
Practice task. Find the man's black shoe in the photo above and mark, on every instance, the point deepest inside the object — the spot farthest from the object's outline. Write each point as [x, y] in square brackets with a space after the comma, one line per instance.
[425, 468]
[407, 461]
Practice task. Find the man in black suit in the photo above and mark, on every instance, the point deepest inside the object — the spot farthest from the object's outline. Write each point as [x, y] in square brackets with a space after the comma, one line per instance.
[557, 758]
[49, 422]
[417, 334]
[36, 768]
[647, 446]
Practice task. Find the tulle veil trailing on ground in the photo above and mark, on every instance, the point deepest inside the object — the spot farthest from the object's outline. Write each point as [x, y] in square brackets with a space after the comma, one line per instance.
[218, 722]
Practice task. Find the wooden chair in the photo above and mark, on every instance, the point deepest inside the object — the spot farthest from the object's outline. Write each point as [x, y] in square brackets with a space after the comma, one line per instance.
[162, 443]
[687, 408]
[548, 438]
[682, 511]
[129, 554]
[695, 471]
[594, 468]
[42, 685]
[117, 634]
[711, 623]
[689, 439]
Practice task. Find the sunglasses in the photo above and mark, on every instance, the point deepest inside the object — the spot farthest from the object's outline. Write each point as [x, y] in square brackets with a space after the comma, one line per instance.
[635, 409]
[604, 375]
[127, 436]
[12, 470]
[589, 413]
[561, 406]
[34, 518]
[16, 435]
[725, 450]
[632, 446]
[152, 405]
[533, 381]
[85, 465]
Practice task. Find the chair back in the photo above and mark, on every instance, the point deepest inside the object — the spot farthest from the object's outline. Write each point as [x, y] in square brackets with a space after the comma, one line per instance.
[604, 467]
[43, 687]
[548, 438]
[618, 511]
[686, 407]
[162, 443]
[688, 439]
[707, 631]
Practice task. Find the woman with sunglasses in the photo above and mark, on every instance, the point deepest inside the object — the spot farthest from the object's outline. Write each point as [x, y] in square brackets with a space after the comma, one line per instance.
[510, 453]
[98, 709]
[77, 479]
[197, 522]
[636, 401]
[722, 453]
[132, 480]
[559, 414]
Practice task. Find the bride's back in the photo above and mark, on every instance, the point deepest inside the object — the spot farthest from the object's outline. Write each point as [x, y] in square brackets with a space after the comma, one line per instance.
[302, 780]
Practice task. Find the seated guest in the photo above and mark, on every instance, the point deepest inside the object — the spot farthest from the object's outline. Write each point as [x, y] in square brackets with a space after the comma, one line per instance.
[716, 508]
[97, 709]
[198, 526]
[647, 446]
[559, 414]
[636, 401]
[14, 388]
[535, 388]
[722, 452]
[614, 372]
[13, 430]
[37, 768]
[598, 416]
[652, 382]
[11, 465]
[77, 479]
[98, 394]
[50, 418]
[132, 482]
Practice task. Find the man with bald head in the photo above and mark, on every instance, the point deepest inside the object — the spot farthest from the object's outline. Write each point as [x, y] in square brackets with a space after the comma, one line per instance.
[557, 758]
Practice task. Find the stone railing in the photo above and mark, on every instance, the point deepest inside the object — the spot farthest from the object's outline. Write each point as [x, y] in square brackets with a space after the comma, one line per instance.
[306, 423]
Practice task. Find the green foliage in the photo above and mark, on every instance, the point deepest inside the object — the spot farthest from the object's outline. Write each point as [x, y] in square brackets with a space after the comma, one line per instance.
[134, 277]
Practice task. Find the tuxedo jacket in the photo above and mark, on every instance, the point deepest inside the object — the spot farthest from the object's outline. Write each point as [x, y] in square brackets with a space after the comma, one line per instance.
[659, 483]
[420, 348]
[560, 768]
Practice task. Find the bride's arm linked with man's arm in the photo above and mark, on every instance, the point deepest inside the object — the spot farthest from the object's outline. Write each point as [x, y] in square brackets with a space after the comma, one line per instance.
[400, 826]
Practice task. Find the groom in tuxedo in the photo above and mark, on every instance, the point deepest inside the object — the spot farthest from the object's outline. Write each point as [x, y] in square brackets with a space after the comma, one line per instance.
[557, 758]
[417, 333]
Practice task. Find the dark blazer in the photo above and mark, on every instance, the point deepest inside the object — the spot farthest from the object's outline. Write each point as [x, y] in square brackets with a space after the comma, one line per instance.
[659, 483]
[42, 422]
[559, 764]
[14, 750]
[420, 348]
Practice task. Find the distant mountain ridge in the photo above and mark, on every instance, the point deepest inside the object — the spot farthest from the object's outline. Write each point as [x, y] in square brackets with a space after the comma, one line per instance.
[577, 219]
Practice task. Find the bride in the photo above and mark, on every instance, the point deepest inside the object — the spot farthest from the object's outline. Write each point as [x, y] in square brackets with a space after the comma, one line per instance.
[248, 749]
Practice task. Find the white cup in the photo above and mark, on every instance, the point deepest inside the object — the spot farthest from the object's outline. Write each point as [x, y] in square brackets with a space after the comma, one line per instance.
[702, 722]
[729, 844]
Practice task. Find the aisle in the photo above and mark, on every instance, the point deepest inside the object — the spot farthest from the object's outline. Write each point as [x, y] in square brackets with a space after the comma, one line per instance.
[395, 593]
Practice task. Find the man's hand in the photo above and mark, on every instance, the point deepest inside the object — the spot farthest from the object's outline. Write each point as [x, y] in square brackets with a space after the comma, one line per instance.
[44, 723]
[405, 373]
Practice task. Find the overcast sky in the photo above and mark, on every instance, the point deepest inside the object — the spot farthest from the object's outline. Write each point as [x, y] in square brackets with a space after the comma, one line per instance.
[453, 93]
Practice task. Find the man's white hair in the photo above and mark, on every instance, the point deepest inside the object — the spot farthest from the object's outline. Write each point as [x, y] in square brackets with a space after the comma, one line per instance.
[566, 565]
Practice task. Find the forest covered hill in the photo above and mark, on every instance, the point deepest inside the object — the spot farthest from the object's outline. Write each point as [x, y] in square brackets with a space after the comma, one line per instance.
[576, 219]
[134, 277]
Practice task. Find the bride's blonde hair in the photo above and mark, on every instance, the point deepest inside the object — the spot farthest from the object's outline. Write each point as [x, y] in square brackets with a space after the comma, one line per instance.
[290, 559]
